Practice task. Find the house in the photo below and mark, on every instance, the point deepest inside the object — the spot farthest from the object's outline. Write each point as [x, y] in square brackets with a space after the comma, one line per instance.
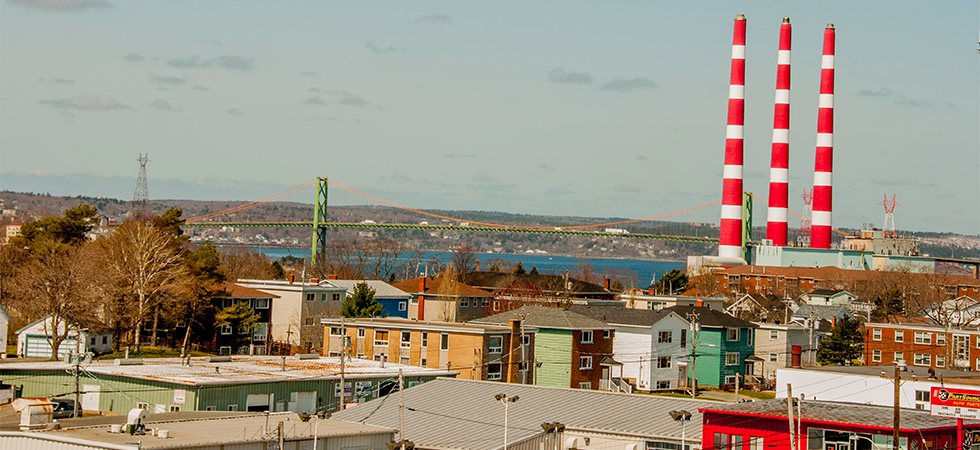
[226, 339]
[828, 297]
[218, 383]
[872, 385]
[653, 346]
[962, 311]
[4, 325]
[444, 299]
[639, 299]
[782, 345]
[571, 350]
[393, 300]
[297, 311]
[476, 351]
[33, 340]
[723, 347]
[535, 288]
[823, 425]
[11, 231]
[204, 431]
[756, 307]
[586, 419]
[922, 345]
[824, 316]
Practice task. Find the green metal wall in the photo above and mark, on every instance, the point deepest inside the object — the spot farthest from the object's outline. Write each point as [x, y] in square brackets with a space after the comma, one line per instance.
[553, 350]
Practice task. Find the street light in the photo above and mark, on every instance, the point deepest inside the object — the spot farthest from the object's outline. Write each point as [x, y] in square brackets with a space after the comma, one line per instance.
[683, 417]
[557, 428]
[506, 401]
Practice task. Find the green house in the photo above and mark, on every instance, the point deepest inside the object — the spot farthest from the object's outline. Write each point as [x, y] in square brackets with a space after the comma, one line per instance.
[722, 346]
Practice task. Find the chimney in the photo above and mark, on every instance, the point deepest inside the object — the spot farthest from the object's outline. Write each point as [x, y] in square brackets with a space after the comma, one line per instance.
[779, 167]
[421, 284]
[331, 277]
[314, 281]
[292, 277]
[823, 173]
[651, 291]
[700, 303]
[421, 305]
[607, 284]
[730, 240]
[477, 264]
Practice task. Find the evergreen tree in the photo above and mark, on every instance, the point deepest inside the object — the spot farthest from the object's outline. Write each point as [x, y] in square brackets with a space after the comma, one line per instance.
[889, 302]
[242, 320]
[361, 303]
[519, 269]
[277, 271]
[845, 343]
[672, 282]
[534, 270]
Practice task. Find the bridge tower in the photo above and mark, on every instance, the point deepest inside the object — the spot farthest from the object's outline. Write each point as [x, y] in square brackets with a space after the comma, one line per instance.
[319, 220]
[746, 224]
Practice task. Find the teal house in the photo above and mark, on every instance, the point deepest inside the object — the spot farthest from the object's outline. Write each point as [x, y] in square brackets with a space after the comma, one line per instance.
[721, 348]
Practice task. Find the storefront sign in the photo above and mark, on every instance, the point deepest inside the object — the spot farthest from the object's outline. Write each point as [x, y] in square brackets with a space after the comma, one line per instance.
[958, 403]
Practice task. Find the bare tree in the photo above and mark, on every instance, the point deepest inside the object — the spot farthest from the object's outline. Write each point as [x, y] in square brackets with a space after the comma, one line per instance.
[146, 262]
[243, 263]
[383, 257]
[342, 258]
[706, 283]
[464, 259]
[585, 271]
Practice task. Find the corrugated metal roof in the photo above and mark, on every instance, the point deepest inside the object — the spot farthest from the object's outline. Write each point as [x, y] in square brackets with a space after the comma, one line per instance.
[463, 414]
[241, 370]
[381, 289]
[546, 317]
[849, 413]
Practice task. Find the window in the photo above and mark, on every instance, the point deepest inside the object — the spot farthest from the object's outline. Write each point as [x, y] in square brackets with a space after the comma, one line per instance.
[527, 339]
[773, 335]
[731, 358]
[899, 356]
[323, 297]
[773, 357]
[496, 305]
[309, 321]
[748, 338]
[260, 332]
[464, 303]
[876, 356]
[940, 338]
[922, 359]
[683, 338]
[210, 408]
[663, 384]
[380, 337]
[336, 297]
[607, 334]
[406, 339]
[496, 344]
[485, 302]
[444, 341]
[360, 332]
[585, 362]
[310, 297]
[226, 329]
[585, 385]
[922, 396]
[403, 360]
[978, 365]
[261, 303]
[755, 443]
[663, 362]
[174, 408]
[493, 372]
[423, 363]
[876, 334]
[425, 339]
[922, 337]
[224, 350]
[335, 331]
[142, 405]
[586, 337]
[415, 300]
[402, 306]
[940, 360]
[664, 337]
[105, 340]
[733, 334]
[232, 407]
[899, 335]
[730, 379]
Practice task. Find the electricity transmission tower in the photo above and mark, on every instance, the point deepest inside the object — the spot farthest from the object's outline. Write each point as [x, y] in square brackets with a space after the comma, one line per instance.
[141, 196]
[803, 239]
[889, 205]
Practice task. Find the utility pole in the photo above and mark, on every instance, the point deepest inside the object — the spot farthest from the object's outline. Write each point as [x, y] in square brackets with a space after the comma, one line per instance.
[789, 403]
[523, 365]
[401, 409]
[809, 356]
[897, 413]
[343, 353]
[736, 387]
[693, 317]
[78, 359]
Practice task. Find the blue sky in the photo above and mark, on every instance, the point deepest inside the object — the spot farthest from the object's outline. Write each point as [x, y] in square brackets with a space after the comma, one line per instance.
[579, 108]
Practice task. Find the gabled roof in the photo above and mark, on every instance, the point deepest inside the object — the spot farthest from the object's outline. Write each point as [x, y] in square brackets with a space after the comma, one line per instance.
[546, 317]
[381, 289]
[711, 318]
[441, 286]
[825, 292]
[463, 414]
[618, 315]
[822, 312]
[238, 291]
[4, 312]
[496, 281]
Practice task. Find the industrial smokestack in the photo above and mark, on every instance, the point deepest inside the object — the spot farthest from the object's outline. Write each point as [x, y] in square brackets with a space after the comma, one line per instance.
[730, 241]
[779, 168]
[824, 167]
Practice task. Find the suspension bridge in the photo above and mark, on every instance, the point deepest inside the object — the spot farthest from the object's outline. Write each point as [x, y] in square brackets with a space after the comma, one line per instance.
[307, 205]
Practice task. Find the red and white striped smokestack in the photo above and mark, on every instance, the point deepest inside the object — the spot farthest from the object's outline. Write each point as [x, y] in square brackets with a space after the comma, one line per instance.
[730, 241]
[779, 168]
[824, 168]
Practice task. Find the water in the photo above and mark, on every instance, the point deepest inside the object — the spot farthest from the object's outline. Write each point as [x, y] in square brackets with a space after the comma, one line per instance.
[645, 269]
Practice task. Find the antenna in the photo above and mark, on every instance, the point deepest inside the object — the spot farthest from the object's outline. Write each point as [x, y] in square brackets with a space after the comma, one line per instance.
[889, 205]
[803, 239]
[141, 196]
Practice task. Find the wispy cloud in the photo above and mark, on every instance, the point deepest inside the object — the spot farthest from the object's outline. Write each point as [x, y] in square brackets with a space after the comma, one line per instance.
[545, 167]
[625, 85]
[190, 62]
[86, 103]
[626, 188]
[900, 182]
[913, 103]
[236, 112]
[200, 88]
[315, 100]
[353, 101]
[558, 192]
[62, 5]
[434, 18]
[400, 178]
[378, 50]
[55, 80]
[483, 176]
[308, 74]
[491, 187]
[173, 81]
[163, 105]
[883, 92]
[559, 75]
[228, 62]
[214, 42]
[460, 155]
[346, 98]
[133, 57]
[642, 157]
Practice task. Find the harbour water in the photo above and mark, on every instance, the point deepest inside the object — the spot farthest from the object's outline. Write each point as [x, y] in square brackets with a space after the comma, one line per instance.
[645, 269]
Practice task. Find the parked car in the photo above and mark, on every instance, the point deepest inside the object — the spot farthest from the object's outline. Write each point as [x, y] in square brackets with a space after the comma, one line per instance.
[65, 408]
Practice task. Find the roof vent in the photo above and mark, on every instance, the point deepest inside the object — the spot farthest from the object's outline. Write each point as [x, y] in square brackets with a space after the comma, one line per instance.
[129, 362]
[307, 356]
[217, 359]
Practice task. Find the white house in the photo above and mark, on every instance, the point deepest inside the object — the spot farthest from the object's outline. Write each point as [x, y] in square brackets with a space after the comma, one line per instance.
[33, 340]
[962, 311]
[4, 324]
[297, 312]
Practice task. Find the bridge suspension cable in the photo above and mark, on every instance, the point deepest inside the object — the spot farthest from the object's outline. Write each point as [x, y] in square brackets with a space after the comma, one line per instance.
[252, 204]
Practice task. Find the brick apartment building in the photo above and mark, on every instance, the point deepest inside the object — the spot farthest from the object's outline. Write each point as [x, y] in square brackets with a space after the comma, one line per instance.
[476, 351]
[922, 345]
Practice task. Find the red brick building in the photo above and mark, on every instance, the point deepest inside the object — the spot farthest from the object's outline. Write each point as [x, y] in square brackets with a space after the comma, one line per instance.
[922, 345]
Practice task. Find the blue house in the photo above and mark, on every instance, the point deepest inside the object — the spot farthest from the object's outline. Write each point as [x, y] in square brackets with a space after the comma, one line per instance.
[393, 300]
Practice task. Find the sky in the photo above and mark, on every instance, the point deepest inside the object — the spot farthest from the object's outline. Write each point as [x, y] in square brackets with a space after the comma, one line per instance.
[563, 108]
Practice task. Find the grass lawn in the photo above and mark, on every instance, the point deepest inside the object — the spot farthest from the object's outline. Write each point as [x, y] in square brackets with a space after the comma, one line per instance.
[150, 352]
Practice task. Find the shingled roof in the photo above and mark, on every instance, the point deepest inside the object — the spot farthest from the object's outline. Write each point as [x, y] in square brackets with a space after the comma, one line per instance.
[711, 318]
[237, 291]
[546, 317]
[441, 286]
[497, 281]
[619, 315]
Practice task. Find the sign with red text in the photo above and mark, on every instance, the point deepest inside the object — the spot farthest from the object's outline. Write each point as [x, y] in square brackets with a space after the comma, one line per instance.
[952, 402]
